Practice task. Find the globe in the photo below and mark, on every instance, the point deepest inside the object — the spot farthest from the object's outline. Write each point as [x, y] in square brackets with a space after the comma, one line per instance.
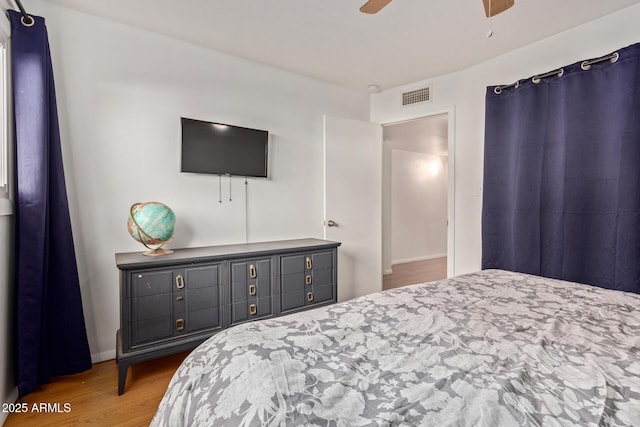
[152, 224]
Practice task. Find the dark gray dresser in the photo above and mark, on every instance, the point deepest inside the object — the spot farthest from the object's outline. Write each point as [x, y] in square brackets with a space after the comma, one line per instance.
[173, 303]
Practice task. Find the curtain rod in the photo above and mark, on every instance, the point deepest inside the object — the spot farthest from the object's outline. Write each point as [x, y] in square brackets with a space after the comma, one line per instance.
[26, 19]
[585, 65]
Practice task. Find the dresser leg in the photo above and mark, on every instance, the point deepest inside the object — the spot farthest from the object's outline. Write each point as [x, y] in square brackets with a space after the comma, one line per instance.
[122, 376]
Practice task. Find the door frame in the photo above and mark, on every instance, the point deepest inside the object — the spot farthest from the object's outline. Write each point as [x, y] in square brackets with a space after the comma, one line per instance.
[451, 129]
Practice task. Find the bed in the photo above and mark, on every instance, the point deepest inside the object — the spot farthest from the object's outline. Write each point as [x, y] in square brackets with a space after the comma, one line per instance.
[492, 348]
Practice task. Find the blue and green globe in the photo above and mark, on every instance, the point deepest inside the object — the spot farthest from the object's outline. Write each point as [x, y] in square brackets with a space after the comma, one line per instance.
[152, 223]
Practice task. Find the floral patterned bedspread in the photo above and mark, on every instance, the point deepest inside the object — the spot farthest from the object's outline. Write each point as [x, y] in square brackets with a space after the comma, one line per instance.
[492, 348]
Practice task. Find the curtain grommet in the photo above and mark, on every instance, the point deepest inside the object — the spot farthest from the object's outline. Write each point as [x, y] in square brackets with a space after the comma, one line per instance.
[30, 23]
[498, 89]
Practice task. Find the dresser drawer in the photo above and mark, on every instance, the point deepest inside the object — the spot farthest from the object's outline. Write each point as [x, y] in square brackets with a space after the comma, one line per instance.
[322, 260]
[250, 278]
[255, 308]
[320, 294]
[291, 264]
[199, 299]
[202, 277]
[150, 283]
[150, 307]
[320, 277]
[200, 307]
[292, 293]
[151, 330]
[207, 318]
[306, 279]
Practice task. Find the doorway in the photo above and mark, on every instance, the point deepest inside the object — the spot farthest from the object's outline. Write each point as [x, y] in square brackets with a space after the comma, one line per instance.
[415, 201]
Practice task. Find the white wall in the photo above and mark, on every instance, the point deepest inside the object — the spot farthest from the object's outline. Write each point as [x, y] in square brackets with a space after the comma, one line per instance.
[418, 206]
[121, 93]
[464, 91]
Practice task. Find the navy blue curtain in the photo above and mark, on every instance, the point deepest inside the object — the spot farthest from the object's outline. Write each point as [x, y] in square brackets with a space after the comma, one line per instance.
[562, 174]
[50, 331]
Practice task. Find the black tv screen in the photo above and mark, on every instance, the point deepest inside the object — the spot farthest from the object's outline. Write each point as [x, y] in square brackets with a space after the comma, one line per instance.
[221, 149]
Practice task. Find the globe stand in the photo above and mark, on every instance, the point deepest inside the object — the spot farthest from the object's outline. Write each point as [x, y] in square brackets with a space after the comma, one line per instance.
[159, 251]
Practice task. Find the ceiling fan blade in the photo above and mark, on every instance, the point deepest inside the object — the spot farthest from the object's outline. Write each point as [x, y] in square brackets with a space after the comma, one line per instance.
[374, 6]
[494, 7]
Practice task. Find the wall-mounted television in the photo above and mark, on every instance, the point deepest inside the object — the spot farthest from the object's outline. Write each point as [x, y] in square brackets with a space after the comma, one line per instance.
[221, 149]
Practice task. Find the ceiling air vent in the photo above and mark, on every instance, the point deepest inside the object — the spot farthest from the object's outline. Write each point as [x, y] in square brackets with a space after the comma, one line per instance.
[416, 96]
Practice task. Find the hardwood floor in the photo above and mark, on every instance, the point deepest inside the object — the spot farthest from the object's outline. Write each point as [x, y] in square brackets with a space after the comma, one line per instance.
[92, 396]
[416, 272]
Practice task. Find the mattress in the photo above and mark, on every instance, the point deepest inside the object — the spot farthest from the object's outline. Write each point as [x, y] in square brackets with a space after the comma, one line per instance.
[492, 348]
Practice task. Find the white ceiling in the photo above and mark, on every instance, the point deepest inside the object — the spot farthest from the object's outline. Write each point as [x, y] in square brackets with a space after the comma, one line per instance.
[408, 41]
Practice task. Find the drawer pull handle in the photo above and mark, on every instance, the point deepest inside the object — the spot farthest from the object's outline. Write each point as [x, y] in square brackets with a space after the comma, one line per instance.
[307, 279]
[309, 264]
[253, 309]
[180, 298]
[180, 325]
[310, 296]
[179, 281]
[252, 290]
[253, 273]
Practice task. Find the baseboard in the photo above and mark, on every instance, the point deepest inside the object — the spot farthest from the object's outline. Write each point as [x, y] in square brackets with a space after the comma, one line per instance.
[6, 206]
[424, 258]
[387, 272]
[105, 355]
